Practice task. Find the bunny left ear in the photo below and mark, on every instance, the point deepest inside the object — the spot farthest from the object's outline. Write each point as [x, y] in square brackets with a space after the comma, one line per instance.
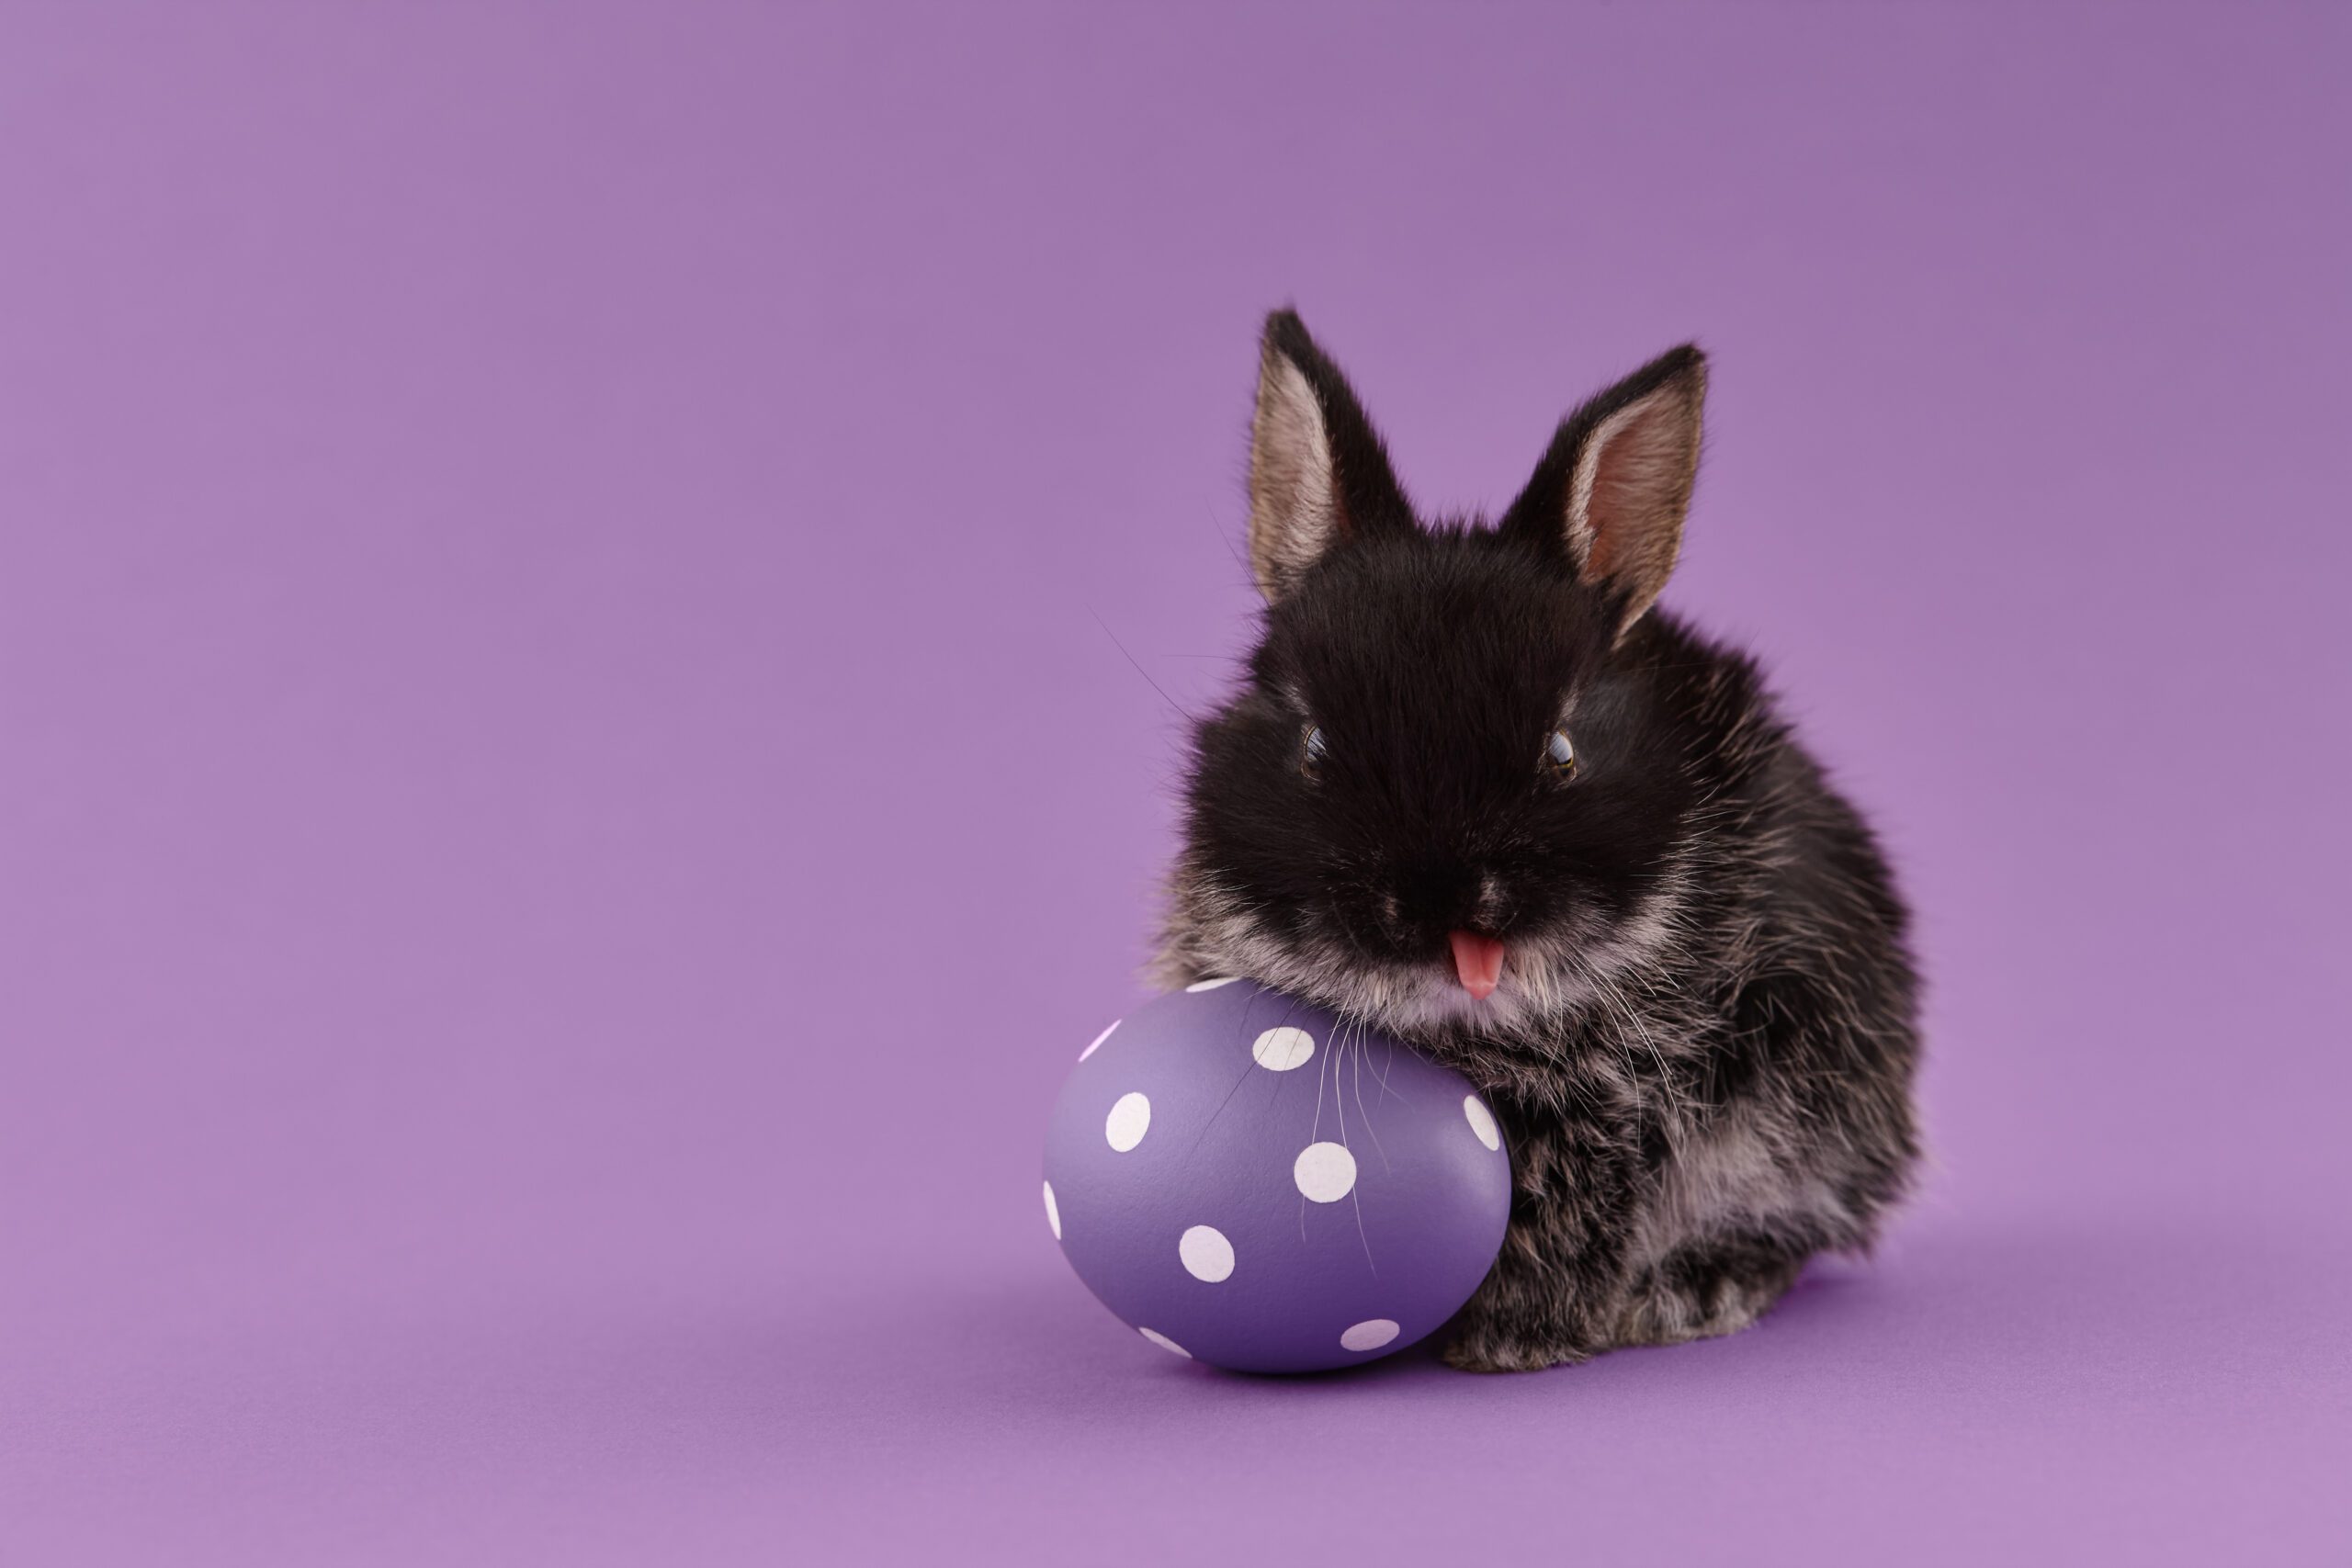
[1614, 486]
[1319, 474]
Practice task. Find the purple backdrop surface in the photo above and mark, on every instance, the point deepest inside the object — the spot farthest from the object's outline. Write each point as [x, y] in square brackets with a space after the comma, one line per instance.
[566, 808]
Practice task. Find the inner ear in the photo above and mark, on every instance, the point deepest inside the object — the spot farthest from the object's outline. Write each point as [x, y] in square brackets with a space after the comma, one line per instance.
[1631, 490]
[1295, 512]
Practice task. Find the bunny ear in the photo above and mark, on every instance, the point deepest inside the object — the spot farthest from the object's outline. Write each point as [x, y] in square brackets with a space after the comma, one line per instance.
[1319, 474]
[1615, 483]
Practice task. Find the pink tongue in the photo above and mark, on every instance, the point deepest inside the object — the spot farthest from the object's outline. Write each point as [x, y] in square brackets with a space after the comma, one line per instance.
[1479, 960]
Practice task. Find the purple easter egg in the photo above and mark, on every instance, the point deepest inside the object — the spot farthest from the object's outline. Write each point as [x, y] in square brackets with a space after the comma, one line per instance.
[1249, 1181]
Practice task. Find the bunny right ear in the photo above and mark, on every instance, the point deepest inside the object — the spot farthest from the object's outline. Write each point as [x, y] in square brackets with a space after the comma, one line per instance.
[1613, 489]
[1319, 474]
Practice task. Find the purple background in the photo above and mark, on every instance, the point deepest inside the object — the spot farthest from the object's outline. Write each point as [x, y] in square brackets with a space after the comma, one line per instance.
[565, 806]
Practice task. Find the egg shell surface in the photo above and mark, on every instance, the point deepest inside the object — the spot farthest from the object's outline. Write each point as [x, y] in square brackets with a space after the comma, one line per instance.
[1247, 1181]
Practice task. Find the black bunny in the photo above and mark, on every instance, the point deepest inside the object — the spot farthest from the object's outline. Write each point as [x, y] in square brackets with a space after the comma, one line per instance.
[1477, 792]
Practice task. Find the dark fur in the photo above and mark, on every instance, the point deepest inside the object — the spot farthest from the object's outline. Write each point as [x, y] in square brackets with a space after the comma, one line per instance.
[1703, 1052]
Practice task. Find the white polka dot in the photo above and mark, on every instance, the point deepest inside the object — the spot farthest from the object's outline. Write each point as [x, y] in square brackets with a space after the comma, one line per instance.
[1130, 1118]
[1482, 1121]
[1280, 1050]
[1211, 984]
[1053, 1212]
[1165, 1343]
[1098, 1041]
[1325, 1172]
[1368, 1336]
[1206, 1254]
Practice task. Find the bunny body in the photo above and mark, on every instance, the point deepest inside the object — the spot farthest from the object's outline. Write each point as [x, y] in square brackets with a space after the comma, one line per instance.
[1460, 743]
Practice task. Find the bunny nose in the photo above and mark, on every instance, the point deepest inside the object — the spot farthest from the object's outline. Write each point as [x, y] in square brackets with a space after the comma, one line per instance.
[1478, 962]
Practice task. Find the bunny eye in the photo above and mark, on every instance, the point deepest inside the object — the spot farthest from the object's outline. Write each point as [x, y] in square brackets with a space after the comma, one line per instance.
[1311, 748]
[1560, 754]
